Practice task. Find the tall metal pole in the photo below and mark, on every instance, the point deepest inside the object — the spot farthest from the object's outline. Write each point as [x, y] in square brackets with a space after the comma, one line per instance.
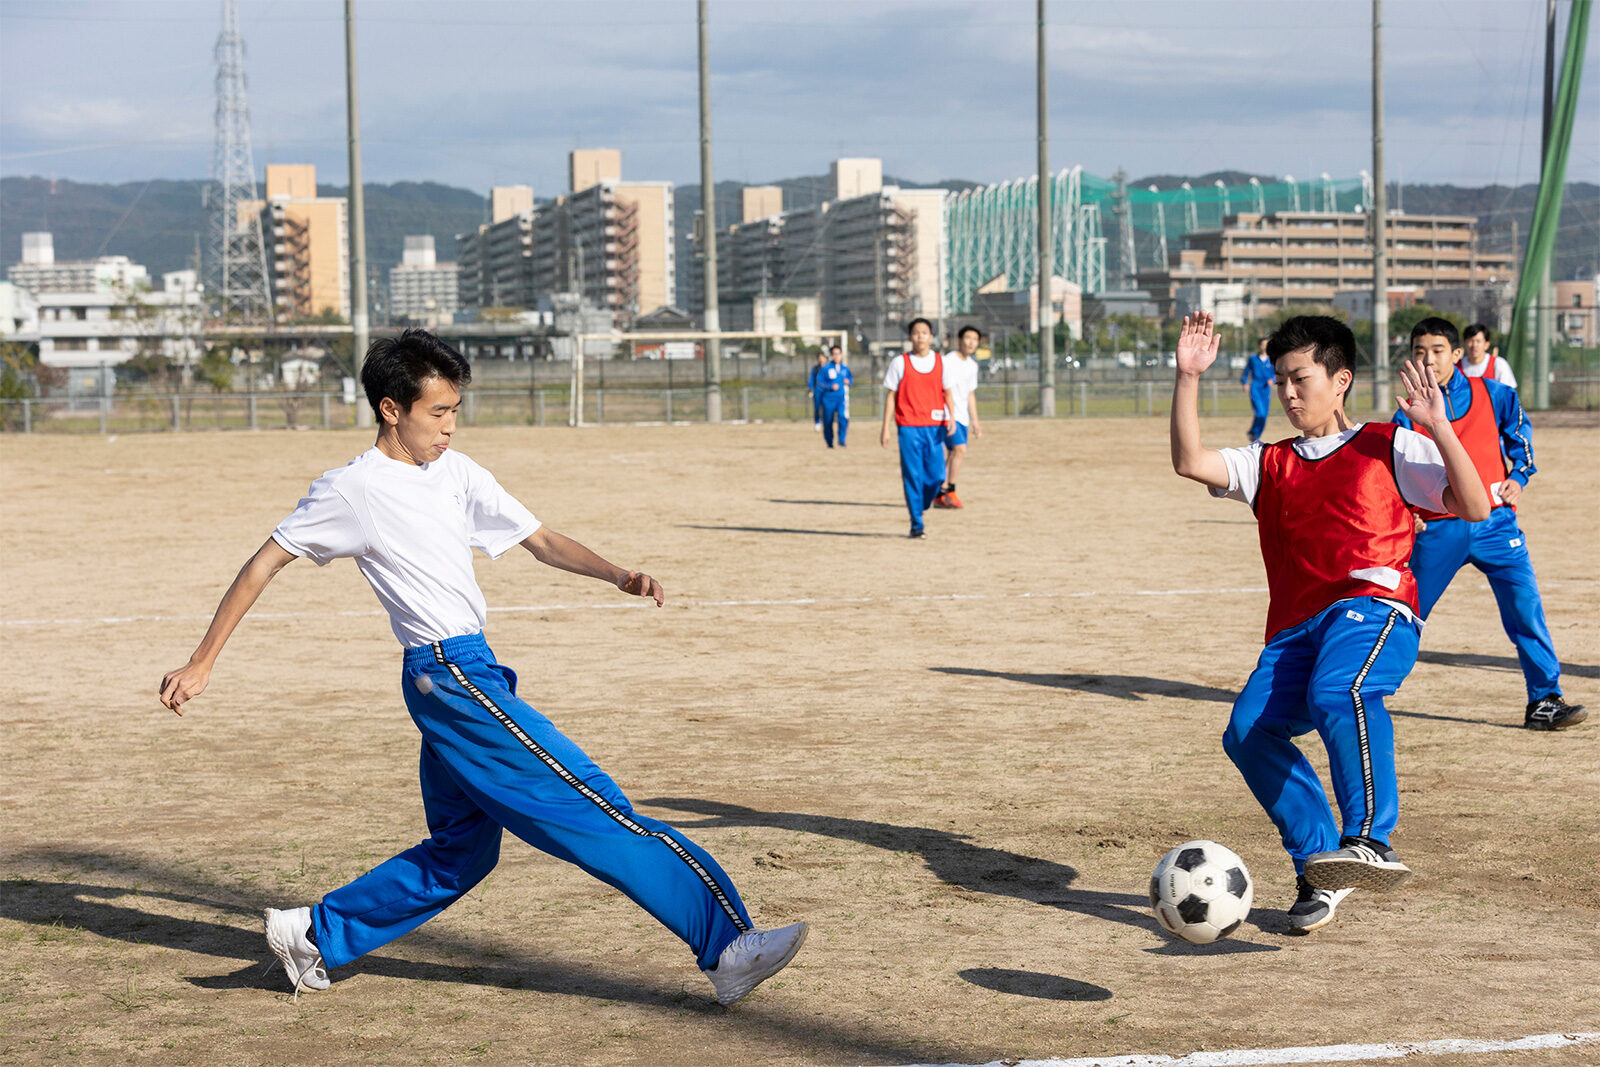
[358, 215]
[1047, 326]
[1543, 311]
[1380, 220]
[708, 207]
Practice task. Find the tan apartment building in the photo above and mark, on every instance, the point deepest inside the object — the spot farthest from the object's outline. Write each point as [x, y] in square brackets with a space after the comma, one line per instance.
[307, 240]
[1305, 257]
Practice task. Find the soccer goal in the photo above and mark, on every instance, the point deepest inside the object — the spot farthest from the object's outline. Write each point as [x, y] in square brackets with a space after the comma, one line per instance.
[647, 375]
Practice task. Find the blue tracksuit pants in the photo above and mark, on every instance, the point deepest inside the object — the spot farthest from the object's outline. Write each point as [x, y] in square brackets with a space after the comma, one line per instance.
[835, 410]
[1498, 548]
[1260, 401]
[1329, 674]
[489, 761]
[921, 468]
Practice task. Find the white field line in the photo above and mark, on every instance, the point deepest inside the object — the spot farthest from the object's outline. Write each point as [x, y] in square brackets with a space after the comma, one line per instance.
[111, 620]
[1269, 1057]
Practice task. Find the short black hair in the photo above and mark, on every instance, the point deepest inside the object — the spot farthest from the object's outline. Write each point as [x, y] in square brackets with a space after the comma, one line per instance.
[1477, 329]
[398, 367]
[1333, 346]
[1436, 327]
[835, 348]
[912, 325]
[969, 328]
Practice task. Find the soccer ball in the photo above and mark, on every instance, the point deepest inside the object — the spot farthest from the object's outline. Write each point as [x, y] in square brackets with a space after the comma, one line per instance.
[1200, 892]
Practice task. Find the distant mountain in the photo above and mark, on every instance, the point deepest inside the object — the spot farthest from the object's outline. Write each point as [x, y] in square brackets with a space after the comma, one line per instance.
[162, 223]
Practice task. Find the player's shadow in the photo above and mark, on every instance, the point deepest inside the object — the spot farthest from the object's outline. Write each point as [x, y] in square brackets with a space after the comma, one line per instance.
[952, 858]
[1121, 686]
[838, 503]
[787, 530]
[1033, 984]
[134, 913]
[1397, 713]
[1500, 663]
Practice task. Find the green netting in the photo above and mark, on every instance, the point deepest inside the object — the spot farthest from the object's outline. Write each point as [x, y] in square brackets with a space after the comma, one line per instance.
[993, 230]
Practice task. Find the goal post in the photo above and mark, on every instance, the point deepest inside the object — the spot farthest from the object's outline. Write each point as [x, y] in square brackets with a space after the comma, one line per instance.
[583, 341]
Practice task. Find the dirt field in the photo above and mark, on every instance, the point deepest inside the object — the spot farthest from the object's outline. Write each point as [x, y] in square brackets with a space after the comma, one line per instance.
[959, 759]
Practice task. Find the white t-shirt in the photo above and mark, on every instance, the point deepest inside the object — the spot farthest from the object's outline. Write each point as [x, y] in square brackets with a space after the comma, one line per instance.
[1418, 471]
[411, 531]
[963, 383]
[1502, 370]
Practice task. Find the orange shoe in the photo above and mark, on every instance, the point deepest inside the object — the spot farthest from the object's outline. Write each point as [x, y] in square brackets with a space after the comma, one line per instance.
[951, 500]
[942, 500]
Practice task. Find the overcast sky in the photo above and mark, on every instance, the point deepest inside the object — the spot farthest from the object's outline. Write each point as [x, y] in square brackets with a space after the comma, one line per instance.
[479, 93]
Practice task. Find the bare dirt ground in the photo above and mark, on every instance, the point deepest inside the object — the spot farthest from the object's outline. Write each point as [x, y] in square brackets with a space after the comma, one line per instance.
[958, 759]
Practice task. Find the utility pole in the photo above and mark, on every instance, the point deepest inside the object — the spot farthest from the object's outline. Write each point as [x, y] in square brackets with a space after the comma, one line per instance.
[708, 208]
[1380, 233]
[1546, 297]
[1047, 326]
[358, 216]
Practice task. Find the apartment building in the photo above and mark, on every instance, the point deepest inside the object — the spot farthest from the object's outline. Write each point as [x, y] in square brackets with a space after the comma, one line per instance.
[1306, 257]
[307, 240]
[421, 289]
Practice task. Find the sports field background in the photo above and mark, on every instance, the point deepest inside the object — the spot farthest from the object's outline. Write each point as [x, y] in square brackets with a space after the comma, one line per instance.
[958, 759]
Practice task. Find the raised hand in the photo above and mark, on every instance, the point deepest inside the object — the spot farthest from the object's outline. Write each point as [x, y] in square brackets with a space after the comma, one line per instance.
[1197, 343]
[1424, 400]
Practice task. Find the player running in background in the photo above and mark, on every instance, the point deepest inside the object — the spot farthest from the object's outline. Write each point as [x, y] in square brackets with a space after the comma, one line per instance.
[919, 405]
[964, 406]
[1334, 511]
[1489, 420]
[1481, 360]
[833, 381]
[1258, 381]
[409, 511]
[814, 389]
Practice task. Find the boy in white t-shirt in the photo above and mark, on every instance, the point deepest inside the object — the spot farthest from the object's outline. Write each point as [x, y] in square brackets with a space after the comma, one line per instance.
[1481, 360]
[409, 511]
[964, 406]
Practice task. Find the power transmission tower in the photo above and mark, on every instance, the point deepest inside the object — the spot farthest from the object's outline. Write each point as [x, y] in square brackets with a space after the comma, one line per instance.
[236, 261]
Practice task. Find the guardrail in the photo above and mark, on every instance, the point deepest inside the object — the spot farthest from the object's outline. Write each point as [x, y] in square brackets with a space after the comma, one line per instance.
[549, 406]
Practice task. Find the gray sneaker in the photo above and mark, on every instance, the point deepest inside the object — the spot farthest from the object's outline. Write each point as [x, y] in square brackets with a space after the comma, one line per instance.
[286, 936]
[752, 958]
[1359, 863]
[1313, 908]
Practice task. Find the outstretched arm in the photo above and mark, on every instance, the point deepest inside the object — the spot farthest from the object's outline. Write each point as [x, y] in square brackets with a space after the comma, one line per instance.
[190, 680]
[1197, 348]
[1424, 403]
[563, 553]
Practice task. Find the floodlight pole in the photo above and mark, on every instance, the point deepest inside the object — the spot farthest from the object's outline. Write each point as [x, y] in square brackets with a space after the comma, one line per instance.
[1380, 234]
[708, 208]
[1543, 309]
[358, 224]
[1047, 326]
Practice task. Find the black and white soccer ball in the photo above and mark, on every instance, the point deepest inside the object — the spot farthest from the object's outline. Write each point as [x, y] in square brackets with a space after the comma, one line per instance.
[1201, 892]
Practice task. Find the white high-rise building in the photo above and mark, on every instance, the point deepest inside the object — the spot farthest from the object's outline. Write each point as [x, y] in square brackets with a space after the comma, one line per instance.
[421, 289]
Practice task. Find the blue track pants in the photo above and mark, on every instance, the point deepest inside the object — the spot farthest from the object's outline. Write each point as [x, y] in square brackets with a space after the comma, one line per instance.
[921, 468]
[1498, 548]
[830, 413]
[489, 761]
[1329, 674]
[1260, 402]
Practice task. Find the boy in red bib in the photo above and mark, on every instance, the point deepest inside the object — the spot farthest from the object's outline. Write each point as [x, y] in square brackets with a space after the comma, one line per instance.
[920, 405]
[1334, 511]
[1489, 420]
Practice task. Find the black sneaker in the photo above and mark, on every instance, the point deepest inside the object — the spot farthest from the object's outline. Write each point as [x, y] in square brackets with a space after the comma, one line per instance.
[1553, 713]
[918, 533]
[1358, 863]
[1313, 908]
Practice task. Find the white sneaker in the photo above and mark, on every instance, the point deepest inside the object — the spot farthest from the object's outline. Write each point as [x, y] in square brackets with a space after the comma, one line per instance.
[752, 958]
[286, 936]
